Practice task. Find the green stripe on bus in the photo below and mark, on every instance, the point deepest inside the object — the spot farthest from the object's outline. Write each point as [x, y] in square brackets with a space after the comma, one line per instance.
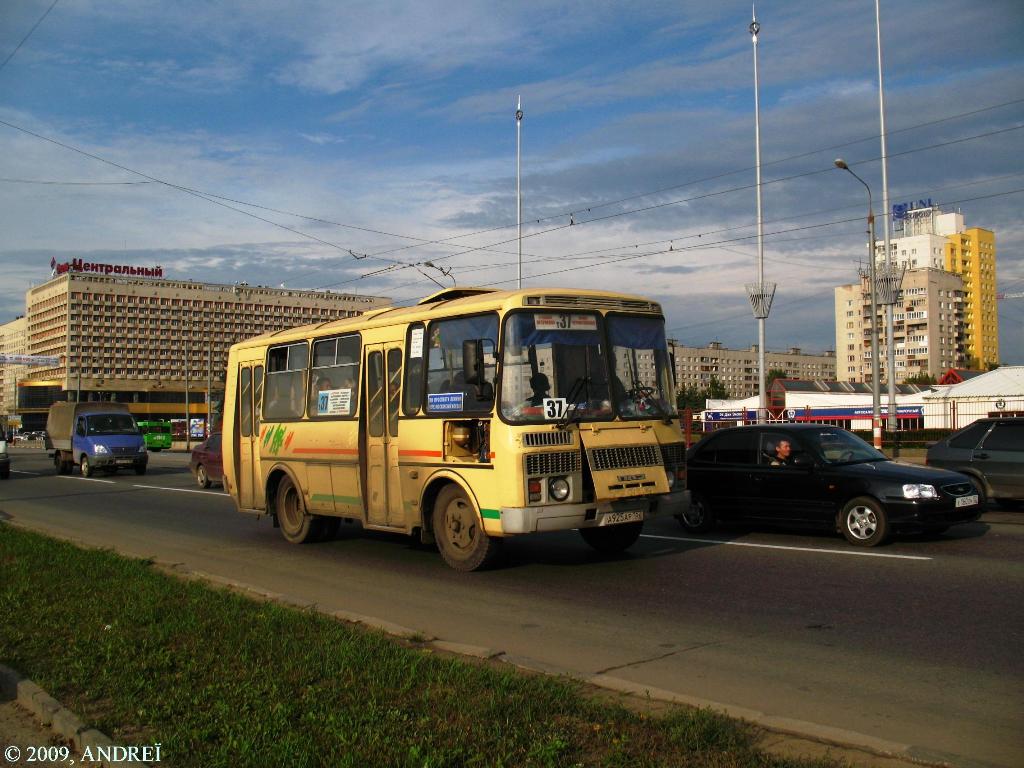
[342, 499]
[490, 514]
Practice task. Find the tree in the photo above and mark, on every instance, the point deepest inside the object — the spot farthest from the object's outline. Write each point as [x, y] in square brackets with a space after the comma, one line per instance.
[773, 374]
[920, 378]
[717, 390]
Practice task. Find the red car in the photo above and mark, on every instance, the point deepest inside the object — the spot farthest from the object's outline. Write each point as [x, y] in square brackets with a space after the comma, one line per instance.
[206, 462]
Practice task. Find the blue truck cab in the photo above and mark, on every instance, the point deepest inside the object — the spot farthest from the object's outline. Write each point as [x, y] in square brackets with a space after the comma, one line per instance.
[95, 436]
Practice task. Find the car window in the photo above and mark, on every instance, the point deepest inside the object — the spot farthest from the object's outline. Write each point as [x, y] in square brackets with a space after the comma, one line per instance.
[738, 447]
[1005, 437]
[773, 453]
[969, 437]
[837, 446]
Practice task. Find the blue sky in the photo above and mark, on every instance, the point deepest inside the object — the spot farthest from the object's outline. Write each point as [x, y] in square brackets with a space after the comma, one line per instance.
[383, 128]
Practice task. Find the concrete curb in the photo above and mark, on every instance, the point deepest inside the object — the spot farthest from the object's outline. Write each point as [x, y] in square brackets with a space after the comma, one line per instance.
[62, 721]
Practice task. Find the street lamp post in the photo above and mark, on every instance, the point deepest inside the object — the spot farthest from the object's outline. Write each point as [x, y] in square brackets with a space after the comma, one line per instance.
[876, 406]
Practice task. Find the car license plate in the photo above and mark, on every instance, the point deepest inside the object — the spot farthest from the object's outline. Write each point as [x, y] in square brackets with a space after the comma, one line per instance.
[967, 501]
[614, 518]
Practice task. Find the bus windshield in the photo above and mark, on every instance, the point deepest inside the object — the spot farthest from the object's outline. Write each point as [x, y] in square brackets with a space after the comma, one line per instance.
[642, 385]
[554, 361]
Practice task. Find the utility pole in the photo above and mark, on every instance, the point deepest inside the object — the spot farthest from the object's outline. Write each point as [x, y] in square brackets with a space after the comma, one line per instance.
[519, 193]
[188, 414]
[760, 293]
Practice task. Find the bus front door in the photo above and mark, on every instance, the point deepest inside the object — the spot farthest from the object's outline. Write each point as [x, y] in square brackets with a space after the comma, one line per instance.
[384, 504]
[250, 401]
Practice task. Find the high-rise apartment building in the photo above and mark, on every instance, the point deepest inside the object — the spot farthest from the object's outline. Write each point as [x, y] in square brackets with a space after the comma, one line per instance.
[928, 237]
[737, 370]
[927, 327]
[12, 342]
[972, 255]
[147, 341]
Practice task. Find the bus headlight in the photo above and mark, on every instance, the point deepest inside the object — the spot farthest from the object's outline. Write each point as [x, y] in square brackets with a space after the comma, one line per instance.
[558, 488]
[671, 475]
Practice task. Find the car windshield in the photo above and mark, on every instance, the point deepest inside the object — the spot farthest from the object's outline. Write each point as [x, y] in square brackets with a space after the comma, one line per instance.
[642, 384]
[112, 424]
[837, 446]
[554, 366]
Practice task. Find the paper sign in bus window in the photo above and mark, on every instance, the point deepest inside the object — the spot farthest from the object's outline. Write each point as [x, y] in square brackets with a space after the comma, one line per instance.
[416, 343]
[565, 322]
[334, 402]
[445, 401]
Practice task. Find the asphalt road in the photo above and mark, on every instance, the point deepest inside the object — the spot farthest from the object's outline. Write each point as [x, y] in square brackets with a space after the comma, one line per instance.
[917, 643]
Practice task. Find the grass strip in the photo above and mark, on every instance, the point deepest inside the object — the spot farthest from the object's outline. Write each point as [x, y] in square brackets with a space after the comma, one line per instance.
[219, 679]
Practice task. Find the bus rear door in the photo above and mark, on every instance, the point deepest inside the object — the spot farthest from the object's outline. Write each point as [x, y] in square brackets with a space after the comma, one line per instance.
[384, 504]
[250, 401]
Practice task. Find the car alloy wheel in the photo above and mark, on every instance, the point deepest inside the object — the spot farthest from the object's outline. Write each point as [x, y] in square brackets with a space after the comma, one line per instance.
[863, 522]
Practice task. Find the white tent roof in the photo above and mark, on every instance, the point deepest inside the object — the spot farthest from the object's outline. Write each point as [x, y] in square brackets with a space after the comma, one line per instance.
[1005, 381]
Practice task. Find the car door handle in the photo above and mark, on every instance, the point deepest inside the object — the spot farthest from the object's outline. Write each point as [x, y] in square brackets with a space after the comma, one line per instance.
[981, 455]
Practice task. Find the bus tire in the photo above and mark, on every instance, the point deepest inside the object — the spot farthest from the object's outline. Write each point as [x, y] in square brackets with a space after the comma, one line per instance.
[460, 537]
[612, 540]
[297, 526]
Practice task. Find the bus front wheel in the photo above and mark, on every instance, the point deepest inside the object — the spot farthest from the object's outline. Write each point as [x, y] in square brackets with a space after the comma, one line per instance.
[612, 539]
[460, 538]
[296, 525]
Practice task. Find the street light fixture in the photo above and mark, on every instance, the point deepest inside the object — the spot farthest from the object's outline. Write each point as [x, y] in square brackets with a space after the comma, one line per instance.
[876, 406]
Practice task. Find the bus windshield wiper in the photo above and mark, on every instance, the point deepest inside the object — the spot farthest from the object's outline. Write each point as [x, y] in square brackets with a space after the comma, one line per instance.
[574, 392]
[650, 394]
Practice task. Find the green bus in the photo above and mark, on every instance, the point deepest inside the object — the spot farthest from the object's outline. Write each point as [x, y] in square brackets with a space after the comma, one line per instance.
[157, 434]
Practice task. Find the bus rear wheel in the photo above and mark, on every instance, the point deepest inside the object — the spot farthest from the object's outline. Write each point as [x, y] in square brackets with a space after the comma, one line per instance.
[460, 537]
[296, 525]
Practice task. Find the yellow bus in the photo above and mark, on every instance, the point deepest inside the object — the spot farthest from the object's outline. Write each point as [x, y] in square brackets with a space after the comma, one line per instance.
[472, 416]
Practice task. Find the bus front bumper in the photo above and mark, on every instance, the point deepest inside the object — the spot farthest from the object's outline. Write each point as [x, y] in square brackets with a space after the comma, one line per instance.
[561, 517]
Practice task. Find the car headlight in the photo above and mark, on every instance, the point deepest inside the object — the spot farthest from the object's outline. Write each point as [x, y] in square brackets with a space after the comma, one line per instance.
[142, 449]
[98, 449]
[558, 488]
[917, 491]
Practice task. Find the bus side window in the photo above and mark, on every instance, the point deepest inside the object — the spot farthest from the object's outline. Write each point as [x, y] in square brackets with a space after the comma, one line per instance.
[334, 383]
[257, 397]
[245, 402]
[445, 378]
[285, 394]
[414, 369]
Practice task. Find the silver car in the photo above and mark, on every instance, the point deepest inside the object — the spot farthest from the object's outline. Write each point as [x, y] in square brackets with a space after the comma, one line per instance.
[991, 451]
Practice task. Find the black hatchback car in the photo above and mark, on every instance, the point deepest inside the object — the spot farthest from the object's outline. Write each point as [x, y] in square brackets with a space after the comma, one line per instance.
[991, 451]
[812, 474]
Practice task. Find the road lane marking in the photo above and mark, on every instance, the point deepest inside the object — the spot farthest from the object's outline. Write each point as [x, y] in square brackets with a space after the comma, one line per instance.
[88, 479]
[179, 490]
[779, 546]
[23, 472]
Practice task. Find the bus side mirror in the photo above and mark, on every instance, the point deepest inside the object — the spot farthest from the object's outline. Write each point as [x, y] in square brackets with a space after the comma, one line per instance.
[473, 361]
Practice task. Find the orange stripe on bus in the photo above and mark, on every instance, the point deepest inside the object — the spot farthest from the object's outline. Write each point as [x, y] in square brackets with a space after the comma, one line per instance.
[436, 454]
[344, 451]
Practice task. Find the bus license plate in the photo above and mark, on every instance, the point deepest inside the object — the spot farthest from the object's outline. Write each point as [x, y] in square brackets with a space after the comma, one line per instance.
[614, 518]
[967, 501]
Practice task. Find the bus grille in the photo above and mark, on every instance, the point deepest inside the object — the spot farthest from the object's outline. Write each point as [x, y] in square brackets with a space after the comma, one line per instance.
[674, 455]
[619, 458]
[560, 463]
[601, 302]
[542, 439]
